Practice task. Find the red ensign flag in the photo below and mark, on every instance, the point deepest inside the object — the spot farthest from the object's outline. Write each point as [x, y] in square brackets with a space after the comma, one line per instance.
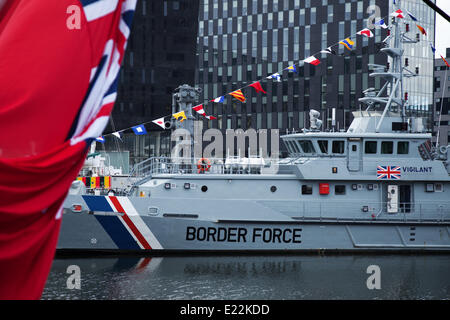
[59, 63]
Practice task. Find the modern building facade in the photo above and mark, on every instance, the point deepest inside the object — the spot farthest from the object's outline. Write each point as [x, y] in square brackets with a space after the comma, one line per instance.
[244, 41]
[419, 89]
[442, 100]
[223, 45]
[160, 56]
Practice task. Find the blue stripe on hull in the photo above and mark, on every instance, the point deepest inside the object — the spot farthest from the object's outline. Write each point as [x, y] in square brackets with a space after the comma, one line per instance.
[97, 203]
[111, 224]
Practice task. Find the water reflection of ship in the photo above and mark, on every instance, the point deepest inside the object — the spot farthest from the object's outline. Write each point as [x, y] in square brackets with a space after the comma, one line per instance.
[254, 277]
[242, 267]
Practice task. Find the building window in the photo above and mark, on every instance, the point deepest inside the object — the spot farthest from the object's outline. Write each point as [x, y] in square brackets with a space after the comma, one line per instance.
[339, 189]
[330, 13]
[387, 147]
[313, 16]
[307, 189]
[338, 147]
[291, 18]
[371, 147]
[403, 147]
[348, 10]
[144, 8]
[302, 17]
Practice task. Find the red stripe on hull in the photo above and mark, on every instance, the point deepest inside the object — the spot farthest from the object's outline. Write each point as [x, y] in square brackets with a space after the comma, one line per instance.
[130, 224]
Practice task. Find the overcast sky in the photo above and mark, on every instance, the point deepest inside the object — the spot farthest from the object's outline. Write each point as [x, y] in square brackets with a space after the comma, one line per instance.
[442, 28]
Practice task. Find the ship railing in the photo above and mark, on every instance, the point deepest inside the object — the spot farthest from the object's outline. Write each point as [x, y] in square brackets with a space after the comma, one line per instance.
[229, 165]
[424, 211]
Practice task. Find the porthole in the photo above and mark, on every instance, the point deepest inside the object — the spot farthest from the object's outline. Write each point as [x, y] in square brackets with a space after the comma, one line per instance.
[204, 188]
[273, 188]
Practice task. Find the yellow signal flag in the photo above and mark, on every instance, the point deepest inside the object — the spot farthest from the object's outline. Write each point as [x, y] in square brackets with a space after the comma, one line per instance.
[107, 182]
[347, 43]
[179, 115]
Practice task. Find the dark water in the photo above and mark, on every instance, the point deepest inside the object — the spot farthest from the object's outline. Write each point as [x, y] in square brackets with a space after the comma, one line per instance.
[253, 277]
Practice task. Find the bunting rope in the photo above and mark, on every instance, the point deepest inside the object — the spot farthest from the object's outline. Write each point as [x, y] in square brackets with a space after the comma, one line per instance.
[237, 94]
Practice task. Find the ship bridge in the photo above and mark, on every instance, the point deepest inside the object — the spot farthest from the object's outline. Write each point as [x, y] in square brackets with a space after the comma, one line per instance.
[374, 139]
[372, 133]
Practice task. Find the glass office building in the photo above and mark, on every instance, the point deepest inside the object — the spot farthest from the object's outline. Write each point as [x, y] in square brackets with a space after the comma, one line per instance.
[160, 56]
[223, 45]
[244, 41]
[442, 101]
[419, 55]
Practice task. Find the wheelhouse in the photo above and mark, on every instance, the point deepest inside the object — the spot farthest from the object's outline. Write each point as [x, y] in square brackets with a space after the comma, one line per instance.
[324, 144]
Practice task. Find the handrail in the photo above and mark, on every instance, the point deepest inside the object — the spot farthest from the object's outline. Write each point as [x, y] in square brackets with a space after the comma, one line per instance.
[232, 165]
[423, 211]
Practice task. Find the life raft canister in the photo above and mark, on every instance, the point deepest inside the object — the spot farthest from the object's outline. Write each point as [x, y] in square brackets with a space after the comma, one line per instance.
[203, 165]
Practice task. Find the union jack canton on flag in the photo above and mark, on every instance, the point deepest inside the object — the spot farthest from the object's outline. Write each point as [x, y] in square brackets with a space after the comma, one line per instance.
[58, 87]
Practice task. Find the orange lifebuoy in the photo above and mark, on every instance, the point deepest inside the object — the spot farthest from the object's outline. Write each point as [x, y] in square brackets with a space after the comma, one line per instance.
[203, 165]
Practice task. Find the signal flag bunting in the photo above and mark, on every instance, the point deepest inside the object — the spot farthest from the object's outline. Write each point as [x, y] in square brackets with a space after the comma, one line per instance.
[366, 32]
[347, 43]
[312, 60]
[238, 95]
[160, 122]
[257, 86]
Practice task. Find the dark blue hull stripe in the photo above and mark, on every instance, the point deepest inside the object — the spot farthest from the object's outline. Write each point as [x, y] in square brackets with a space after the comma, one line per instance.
[117, 231]
[111, 224]
[97, 203]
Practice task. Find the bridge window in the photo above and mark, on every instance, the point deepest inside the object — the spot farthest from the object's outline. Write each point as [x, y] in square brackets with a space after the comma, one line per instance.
[371, 147]
[295, 147]
[307, 146]
[323, 145]
[289, 147]
[387, 147]
[403, 147]
[338, 147]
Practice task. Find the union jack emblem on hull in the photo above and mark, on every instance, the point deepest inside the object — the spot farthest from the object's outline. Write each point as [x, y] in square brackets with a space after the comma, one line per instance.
[388, 172]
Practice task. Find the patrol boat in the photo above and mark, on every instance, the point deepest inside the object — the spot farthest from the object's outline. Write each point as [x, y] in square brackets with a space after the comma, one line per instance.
[381, 185]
